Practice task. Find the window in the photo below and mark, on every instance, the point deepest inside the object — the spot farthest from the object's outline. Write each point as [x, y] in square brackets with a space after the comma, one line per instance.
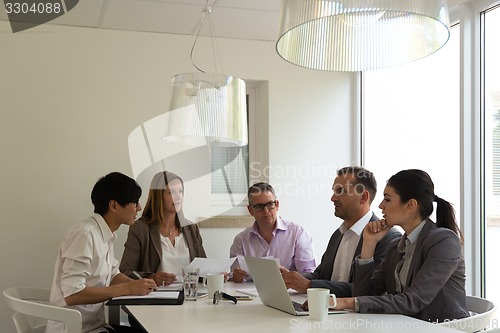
[412, 120]
[490, 21]
[235, 168]
[230, 165]
[427, 135]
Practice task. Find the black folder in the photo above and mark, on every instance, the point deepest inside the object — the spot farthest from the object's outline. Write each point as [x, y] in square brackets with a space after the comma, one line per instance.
[148, 301]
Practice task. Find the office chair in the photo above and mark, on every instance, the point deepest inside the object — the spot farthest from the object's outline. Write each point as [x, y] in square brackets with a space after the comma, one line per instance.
[33, 302]
[481, 314]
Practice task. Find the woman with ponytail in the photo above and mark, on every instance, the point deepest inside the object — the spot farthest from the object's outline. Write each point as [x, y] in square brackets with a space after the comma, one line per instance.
[423, 274]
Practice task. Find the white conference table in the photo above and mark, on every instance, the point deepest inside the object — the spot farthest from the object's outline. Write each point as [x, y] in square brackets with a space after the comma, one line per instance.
[253, 316]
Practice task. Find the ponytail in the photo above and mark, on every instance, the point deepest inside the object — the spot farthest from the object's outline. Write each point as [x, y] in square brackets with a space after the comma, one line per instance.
[417, 184]
[445, 217]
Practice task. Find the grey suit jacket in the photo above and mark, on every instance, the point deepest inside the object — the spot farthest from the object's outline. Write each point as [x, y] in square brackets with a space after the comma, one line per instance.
[143, 247]
[321, 276]
[435, 285]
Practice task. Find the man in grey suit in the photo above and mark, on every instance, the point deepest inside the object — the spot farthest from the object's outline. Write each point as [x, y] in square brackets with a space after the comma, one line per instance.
[354, 189]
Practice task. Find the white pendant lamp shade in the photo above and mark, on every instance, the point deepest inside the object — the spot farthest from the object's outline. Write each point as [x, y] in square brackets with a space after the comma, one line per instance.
[207, 108]
[359, 35]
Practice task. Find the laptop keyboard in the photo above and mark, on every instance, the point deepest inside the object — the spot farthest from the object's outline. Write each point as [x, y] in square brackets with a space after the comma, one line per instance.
[298, 306]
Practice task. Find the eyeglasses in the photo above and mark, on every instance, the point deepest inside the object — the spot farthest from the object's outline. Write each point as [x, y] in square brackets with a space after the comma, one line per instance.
[219, 295]
[260, 207]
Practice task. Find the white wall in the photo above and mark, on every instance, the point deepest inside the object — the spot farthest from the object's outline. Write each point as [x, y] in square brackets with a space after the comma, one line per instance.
[70, 97]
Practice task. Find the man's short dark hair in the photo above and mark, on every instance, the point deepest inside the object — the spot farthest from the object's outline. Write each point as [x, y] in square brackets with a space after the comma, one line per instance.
[260, 187]
[363, 177]
[114, 186]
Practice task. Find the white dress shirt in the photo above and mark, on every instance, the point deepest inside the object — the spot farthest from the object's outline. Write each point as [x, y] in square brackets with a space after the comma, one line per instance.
[347, 248]
[85, 259]
[174, 256]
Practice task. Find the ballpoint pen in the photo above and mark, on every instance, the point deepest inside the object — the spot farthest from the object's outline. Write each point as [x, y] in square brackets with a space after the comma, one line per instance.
[137, 275]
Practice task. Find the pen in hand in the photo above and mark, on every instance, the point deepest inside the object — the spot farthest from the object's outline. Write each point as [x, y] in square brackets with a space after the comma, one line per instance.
[148, 281]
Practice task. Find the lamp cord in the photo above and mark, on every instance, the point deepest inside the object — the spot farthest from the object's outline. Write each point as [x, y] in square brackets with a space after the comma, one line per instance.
[199, 25]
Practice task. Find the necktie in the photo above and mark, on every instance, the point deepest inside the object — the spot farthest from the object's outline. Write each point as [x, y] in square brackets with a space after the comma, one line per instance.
[397, 272]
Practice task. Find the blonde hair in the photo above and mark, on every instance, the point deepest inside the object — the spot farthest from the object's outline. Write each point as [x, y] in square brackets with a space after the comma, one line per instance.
[153, 210]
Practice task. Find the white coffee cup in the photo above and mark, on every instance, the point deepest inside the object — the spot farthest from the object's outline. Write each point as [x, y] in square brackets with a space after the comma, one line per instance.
[214, 282]
[318, 301]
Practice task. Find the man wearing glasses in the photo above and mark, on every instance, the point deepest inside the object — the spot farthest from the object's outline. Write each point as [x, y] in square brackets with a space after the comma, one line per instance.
[271, 236]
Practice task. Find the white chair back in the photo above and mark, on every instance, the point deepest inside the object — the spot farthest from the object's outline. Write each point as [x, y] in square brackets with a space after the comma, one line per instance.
[28, 325]
[30, 302]
[481, 314]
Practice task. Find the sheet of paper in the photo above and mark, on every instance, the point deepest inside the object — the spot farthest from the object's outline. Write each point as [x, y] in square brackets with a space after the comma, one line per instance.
[154, 294]
[243, 264]
[177, 285]
[211, 266]
[248, 291]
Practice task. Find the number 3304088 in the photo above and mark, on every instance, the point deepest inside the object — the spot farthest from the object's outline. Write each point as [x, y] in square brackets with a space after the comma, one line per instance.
[34, 8]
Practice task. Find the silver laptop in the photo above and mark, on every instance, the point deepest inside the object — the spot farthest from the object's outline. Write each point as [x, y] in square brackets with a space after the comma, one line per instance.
[271, 287]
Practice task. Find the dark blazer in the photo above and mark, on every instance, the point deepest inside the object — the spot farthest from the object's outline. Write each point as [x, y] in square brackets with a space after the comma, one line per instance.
[321, 276]
[143, 247]
[435, 285]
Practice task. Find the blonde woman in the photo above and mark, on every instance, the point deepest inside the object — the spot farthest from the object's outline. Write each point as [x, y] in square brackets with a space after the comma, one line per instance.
[162, 241]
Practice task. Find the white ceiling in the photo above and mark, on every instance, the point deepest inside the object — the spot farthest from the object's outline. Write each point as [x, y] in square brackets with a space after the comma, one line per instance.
[242, 19]
[245, 19]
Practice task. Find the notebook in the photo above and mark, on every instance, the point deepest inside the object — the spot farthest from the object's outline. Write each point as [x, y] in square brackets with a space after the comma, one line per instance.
[154, 298]
[271, 287]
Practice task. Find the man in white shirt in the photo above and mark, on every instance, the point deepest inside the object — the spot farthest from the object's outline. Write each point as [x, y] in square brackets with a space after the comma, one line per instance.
[354, 189]
[86, 272]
